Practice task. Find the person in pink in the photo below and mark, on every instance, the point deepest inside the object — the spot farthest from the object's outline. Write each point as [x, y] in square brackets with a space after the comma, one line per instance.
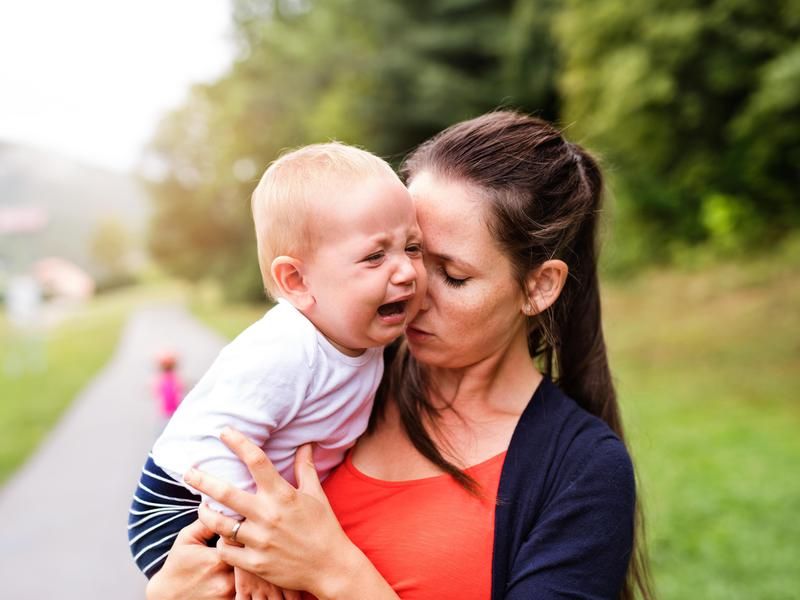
[168, 386]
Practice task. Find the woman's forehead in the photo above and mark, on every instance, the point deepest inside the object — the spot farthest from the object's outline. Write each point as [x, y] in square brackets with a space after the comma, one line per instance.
[451, 215]
[446, 198]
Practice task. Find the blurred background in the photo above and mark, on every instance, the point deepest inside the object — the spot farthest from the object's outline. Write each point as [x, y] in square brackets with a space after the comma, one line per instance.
[131, 137]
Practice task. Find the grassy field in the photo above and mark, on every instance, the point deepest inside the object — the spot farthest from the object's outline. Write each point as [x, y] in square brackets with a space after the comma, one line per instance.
[708, 369]
[228, 319]
[32, 400]
[707, 364]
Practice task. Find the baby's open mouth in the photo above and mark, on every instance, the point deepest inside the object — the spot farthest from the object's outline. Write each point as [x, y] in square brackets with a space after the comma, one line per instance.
[392, 308]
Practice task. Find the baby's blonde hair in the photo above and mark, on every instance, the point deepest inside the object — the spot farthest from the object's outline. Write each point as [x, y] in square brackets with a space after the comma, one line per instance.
[284, 200]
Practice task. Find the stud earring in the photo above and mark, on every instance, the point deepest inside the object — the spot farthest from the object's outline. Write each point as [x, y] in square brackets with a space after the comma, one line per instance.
[527, 309]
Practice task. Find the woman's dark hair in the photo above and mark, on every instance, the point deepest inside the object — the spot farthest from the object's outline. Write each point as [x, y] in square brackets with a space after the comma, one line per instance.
[544, 196]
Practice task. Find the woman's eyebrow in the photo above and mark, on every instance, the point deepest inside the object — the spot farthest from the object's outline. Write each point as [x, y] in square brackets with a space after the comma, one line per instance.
[446, 258]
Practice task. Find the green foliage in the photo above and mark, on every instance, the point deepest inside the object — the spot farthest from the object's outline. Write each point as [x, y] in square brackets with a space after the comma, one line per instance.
[111, 249]
[694, 107]
[690, 102]
[383, 75]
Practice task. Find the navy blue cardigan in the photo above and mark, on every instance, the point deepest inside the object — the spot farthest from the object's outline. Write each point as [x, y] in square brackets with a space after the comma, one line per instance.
[564, 518]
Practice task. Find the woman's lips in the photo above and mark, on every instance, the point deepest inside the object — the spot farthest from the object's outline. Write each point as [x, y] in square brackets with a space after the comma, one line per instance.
[414, 334]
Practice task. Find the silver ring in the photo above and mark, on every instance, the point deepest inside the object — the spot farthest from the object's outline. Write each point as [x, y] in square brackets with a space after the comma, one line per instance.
[235, 530]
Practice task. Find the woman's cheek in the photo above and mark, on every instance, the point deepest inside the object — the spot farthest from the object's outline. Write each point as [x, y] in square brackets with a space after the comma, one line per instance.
[470, 309]
[422, 278]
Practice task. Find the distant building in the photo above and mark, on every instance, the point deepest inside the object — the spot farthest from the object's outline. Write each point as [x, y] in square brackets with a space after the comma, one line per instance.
[60, 278]
[23, 297]
[22, 219]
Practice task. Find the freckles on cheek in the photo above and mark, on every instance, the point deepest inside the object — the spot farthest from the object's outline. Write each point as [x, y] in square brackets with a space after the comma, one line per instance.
[486, 311]
[475, 311]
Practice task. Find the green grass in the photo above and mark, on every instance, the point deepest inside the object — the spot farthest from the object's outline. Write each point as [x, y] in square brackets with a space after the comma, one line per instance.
[227, 319]
[73, 351]
[708, 370]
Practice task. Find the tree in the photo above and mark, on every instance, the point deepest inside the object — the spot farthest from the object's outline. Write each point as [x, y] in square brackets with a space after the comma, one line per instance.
[695, 105]
[382, 75]
[110, 249]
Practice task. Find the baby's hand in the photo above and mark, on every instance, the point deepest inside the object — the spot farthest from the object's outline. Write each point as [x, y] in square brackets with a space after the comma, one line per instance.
[252, 587]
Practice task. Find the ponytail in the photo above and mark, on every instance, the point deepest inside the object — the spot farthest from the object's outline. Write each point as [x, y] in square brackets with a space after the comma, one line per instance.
[575, 349]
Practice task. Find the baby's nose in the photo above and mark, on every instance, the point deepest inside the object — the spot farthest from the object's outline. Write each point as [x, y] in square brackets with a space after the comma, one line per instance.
[404, 274]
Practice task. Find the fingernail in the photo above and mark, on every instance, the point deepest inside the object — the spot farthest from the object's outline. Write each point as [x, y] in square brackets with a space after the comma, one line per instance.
[190, 475]
[226, 432]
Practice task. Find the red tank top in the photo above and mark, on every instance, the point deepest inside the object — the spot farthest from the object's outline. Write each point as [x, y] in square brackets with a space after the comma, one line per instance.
[429, 538]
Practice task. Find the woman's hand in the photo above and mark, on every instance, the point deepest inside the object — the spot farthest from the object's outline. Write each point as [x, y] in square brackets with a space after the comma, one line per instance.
[290, 537]
[193, 571]
[252, 587]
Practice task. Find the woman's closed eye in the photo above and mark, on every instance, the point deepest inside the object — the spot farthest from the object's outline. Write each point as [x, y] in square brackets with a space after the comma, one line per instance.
[452, 281]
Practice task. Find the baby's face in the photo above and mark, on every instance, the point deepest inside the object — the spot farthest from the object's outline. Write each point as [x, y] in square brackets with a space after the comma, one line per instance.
[366, 273]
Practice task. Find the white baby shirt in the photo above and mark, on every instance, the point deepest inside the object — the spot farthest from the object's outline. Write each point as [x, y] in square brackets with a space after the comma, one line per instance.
[282, 384]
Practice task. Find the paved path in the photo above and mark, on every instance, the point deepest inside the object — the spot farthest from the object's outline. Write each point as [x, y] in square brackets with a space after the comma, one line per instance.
[64, 513]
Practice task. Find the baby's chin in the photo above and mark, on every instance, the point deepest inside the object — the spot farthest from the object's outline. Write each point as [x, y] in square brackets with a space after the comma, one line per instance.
[384, 339]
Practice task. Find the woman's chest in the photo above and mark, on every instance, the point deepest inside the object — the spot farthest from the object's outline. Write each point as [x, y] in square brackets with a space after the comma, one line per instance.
[431, 538]
[388, 453]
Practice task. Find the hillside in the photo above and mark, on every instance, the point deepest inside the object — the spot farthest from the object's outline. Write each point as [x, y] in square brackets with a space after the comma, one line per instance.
[76, 199]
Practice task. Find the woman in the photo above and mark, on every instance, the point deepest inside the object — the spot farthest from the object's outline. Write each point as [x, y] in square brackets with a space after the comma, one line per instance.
[479, 477]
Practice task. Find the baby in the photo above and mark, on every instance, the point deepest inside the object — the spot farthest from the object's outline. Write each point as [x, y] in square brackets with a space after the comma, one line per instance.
[340, 249]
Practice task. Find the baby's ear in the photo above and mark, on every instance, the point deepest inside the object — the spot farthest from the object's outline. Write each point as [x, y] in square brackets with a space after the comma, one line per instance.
[287, 273]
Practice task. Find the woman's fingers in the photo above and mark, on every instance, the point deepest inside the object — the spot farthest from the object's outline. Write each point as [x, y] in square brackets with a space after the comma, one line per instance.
[274, 593]
[261, 468]
[306, 473]
[237, 500]
[222, 525]
[194, 533]
[235, 556]
[192, 570]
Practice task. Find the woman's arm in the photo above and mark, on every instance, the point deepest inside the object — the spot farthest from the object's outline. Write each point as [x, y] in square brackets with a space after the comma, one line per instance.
[290, 536]
[193, 571]
[581, 544]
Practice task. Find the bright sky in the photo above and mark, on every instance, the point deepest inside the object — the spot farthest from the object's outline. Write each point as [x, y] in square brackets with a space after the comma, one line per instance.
[90, 79]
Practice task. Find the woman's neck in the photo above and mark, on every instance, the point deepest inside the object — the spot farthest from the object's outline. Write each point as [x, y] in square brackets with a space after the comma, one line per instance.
[502, 382]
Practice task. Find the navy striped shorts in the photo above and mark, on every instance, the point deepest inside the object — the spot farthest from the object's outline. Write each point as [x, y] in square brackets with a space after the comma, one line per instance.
[161, 507]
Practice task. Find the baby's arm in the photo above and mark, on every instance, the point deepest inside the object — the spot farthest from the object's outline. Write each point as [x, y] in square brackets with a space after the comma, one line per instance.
[254, 386]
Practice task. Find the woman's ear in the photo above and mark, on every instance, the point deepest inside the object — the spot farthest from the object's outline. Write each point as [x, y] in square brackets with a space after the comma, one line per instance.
[544, 285]
[288, 275]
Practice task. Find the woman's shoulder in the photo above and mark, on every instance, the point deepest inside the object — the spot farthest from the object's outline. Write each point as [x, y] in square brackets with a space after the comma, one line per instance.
[560, 422]
[557, 442]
